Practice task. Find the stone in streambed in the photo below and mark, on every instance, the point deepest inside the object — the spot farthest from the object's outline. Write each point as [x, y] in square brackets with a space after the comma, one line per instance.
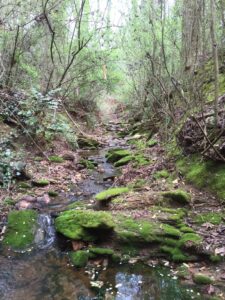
[21, 228]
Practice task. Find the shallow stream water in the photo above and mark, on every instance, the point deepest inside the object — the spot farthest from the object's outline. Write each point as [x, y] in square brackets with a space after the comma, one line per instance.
[44, 273]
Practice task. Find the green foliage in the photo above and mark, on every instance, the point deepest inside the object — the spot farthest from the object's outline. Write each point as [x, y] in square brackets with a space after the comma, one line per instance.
[20, 229]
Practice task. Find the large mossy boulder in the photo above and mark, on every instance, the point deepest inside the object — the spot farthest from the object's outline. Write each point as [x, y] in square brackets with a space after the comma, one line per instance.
[110, 193]
[84, 225]
[21, 229]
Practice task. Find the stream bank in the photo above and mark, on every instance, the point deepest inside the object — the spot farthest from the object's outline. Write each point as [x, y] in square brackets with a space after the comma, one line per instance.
[140, 212]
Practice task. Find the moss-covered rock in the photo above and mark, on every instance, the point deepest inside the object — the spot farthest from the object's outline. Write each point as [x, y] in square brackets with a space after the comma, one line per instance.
[176, 254]
[179, 196]
[171, 230]
[100, 252]
[190, 238]
[56, 159]
[87, 142]
[124, 161]
[53, 193]
[110, 193]
[133, 231]
[21, 229]
[115, 155]
[202, 279]
[79, 258]
[25, 185]
[84, 225]
[41, 182]
[186, 229]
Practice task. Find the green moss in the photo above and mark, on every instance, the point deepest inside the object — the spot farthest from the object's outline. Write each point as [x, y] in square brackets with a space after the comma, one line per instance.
[89, 164]
[140, 160]
[212, 217]
[161, 174]
[169, 241]
[84, 225]
[178, 196]
[152, 143]
[53, 193]
[190, 237]
[183, 271]
[25, 185]
[115, 155]
[133, 231]
[86, 142]
[202, 279]
[20, 229]
[186, 229]
[56, 159]
[77, 205]
[139, 183]
[129, 249]
[110, 193]
[123, 161]
[101, 251]
[79, 258]
[117, 200]
[204, 174]
[216, 258]
[171, 230]
[175, 253]
[41, 182]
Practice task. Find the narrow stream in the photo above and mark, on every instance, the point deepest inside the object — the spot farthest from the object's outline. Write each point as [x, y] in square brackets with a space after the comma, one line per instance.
[44, 273]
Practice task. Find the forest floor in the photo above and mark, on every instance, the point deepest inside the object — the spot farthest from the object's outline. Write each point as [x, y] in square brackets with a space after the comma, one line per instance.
[73, 180]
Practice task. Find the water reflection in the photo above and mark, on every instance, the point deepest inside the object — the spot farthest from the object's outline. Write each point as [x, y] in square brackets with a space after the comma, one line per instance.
[46, 275]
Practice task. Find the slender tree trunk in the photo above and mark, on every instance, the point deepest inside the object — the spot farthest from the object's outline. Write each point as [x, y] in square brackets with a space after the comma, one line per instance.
[215, 57]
